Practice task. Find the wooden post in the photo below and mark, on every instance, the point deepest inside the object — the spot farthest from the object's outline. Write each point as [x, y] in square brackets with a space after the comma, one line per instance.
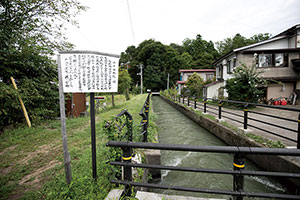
[67, 158]
[22, 104]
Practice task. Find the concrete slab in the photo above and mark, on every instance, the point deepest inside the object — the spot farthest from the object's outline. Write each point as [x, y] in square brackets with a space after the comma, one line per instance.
[114, 194]
[140, 195]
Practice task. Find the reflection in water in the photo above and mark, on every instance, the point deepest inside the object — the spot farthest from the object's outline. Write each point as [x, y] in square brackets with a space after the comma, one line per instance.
[175, 128]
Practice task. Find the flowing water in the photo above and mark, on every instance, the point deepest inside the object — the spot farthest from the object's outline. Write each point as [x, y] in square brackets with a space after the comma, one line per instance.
[176, 128]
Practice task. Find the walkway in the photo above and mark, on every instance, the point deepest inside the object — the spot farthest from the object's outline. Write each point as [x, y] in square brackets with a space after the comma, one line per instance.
[231, 116]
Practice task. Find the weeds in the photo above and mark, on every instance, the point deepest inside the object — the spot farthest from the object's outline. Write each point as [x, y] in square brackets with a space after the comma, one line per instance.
[42, 145]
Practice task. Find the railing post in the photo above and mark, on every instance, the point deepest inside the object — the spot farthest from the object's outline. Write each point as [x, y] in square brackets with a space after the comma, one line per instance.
[188, 101]
[145, 131]
[238, 179]
[205, 105]
[298, 137]
[220, 109]
[246, 110]
[127, 155]
[195, 104]
[146, 123]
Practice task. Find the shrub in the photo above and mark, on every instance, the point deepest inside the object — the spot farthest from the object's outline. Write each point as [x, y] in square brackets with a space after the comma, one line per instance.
[244, 85]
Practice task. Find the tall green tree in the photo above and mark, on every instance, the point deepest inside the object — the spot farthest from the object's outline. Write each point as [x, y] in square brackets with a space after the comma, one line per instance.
[124, 83]
[30, 32]
[203, 52]
[238, 40]
[195, 84]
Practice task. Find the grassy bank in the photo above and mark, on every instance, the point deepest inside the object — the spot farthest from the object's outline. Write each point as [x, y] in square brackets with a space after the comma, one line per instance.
[32, 160]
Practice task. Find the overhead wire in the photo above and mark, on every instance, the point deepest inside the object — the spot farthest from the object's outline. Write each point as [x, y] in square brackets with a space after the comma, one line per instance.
[130, 19]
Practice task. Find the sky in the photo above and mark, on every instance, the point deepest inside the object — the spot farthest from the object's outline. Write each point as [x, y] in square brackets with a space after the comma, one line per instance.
[106, 27]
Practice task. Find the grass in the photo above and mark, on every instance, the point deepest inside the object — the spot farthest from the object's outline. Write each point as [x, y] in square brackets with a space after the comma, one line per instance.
[32, 158]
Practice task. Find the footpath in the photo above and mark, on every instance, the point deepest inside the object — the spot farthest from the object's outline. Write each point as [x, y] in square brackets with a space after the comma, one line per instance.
[289, 129]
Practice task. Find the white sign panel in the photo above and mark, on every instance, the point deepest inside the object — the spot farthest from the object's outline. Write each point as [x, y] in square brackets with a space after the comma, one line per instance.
[89, 71]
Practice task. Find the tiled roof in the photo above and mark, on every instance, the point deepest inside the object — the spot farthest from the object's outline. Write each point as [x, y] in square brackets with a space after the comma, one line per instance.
[197, 70]
[180, 82]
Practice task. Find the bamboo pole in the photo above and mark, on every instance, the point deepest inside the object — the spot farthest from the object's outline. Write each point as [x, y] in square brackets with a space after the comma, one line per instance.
[22, 104]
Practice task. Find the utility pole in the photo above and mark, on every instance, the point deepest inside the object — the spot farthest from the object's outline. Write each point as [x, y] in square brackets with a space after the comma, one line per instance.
[168, 82]
[141, 73]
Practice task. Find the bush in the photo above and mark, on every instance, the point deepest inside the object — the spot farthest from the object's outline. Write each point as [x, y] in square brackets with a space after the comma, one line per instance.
[244, 85]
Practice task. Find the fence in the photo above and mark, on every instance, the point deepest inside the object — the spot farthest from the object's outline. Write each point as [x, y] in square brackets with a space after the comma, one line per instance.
[245, 116]
[238, 171]
[144, 113]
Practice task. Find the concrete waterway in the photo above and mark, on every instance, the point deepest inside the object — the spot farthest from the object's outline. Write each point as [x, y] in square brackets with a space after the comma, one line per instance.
[175, 128]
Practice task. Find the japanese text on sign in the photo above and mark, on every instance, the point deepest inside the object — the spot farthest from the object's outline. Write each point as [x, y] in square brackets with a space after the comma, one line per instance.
[89, 72]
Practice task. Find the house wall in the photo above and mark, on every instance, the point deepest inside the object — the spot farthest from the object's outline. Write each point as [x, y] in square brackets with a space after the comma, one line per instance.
[298, 85]
[279, 44]
[212, 91]
[292, 42]
[202, 75]
[270, 72]
[276, 91]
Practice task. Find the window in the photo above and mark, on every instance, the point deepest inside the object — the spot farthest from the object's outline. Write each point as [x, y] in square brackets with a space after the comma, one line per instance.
[233, 64]
[209, 76]
[219, 71]
[272, 60]
[228, 66]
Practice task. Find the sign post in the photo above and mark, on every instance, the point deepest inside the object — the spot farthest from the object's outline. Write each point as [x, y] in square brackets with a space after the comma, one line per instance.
[93, 134]
[86, 72]
[67, 158]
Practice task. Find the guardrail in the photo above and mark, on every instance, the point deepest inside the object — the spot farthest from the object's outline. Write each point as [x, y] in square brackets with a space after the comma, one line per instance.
[238, 171]
[245, 116]
[144, 113]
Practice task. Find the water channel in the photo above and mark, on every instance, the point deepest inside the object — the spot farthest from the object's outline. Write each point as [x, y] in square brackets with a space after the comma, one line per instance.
[176, 128]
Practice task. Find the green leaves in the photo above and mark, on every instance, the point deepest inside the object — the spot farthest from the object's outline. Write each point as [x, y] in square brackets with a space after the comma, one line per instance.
[159, 59]
[238, 40]
[195, 85]
[245, 84]
[30, 32]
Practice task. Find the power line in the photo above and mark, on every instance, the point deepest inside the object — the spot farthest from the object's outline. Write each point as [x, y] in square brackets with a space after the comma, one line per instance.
[130, 22]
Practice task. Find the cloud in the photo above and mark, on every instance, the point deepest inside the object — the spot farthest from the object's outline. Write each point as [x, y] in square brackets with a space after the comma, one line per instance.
[106, 27]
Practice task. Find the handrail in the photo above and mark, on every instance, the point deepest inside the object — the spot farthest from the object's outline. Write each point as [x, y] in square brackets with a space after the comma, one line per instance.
[144, 113]
[129, 119]
[246, 113]
[212, 149]
[238, 171]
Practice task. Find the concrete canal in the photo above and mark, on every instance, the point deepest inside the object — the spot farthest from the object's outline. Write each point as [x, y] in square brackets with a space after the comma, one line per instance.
[175, 128]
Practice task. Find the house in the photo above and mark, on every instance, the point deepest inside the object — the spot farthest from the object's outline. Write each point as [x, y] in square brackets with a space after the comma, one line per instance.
[278, 58]
[205, 74]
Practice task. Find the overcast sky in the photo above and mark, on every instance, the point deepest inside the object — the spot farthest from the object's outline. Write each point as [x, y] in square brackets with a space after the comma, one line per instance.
[105, 26]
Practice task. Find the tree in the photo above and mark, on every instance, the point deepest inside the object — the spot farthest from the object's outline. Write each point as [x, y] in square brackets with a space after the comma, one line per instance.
[124, 83]
[203, 52]
[244, 85]
[238, 40]
[30, 32]
[195, 85]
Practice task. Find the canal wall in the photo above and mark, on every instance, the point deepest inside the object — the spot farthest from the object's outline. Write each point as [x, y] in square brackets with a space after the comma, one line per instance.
[232, 138]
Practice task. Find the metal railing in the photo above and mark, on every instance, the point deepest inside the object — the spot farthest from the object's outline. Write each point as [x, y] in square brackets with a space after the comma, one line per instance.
[245, 116]
[144, 113]
[238, 171]
[127, 124]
